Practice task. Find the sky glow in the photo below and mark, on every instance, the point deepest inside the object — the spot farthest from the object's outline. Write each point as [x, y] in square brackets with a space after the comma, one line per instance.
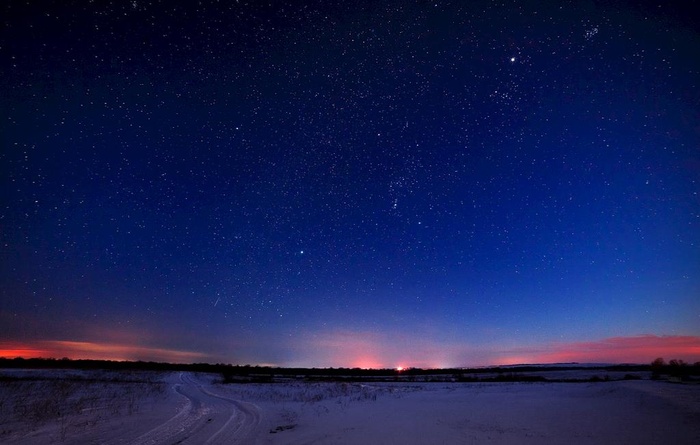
[350, 184]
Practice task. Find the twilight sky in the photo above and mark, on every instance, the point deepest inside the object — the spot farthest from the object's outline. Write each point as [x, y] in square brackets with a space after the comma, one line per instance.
[350, 183]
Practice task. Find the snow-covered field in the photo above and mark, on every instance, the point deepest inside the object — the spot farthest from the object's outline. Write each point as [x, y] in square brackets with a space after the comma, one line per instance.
[105, 407]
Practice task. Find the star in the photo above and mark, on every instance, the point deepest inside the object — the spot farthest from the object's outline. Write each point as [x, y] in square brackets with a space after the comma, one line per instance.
[219, 151]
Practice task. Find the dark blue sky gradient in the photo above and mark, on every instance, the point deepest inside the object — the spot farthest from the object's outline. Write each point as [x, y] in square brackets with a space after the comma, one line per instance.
[349, 183]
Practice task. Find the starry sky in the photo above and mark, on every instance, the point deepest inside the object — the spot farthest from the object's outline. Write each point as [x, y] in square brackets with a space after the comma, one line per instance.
[350, 183]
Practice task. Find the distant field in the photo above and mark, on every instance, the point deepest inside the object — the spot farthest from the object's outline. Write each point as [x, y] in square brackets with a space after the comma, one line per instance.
[147, 407]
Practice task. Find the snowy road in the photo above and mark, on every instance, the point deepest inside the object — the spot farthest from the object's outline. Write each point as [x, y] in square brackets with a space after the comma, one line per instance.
[206, 418]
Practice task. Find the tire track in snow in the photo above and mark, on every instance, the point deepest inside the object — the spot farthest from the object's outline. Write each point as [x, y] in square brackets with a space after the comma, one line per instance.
[241, 425]
[206, 418]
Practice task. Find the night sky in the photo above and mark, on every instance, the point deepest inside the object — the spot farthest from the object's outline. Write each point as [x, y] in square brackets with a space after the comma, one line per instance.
[350, 183]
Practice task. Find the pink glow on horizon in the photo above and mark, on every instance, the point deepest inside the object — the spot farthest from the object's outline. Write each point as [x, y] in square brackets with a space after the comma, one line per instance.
[374, 350]
[344, 349]
[638, 349]
[362, 349]
[370, 349]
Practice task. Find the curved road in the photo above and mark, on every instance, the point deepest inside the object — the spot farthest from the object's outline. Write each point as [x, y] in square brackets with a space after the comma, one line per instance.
[206, 418]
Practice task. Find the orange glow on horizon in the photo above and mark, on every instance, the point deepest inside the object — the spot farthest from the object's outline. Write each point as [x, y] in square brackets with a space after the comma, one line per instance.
[95, 351]
[17, 350]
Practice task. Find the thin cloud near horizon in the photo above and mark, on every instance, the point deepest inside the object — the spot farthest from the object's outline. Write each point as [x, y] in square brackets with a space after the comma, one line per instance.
[364, 352]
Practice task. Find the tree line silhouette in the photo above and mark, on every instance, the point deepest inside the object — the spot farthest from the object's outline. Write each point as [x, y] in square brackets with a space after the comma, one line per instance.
[677, 370]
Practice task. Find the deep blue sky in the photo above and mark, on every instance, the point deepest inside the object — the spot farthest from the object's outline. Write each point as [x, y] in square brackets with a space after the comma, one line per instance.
[349, 183]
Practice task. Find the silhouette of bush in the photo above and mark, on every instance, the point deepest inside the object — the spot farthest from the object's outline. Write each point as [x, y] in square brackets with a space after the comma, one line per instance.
[676, 370]
[657, 367]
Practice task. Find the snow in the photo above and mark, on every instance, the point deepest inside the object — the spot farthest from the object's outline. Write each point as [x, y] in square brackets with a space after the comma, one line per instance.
[84, 407]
